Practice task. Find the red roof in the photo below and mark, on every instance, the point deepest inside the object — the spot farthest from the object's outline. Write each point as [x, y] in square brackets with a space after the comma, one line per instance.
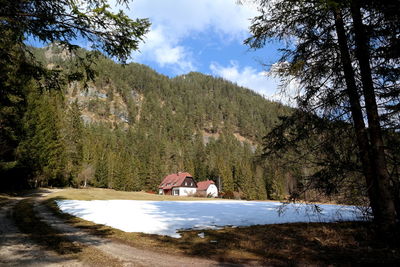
[203, 185]
[174, 180]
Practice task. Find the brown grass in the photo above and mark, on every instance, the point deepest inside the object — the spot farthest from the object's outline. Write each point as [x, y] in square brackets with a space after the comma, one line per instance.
[27, 221]
[107, 194]
[345, 243]
[5, 197]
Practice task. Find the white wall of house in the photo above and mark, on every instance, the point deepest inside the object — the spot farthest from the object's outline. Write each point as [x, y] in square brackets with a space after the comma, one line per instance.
[160, 191]
[212, 190]
[183, 191]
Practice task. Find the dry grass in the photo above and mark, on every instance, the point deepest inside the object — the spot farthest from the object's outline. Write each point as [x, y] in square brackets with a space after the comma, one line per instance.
[5, 197]
[107, 194]
[346, 243]
[27, 221]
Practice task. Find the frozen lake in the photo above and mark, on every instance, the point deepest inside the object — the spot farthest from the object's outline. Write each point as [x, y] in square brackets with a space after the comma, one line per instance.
[167, 217]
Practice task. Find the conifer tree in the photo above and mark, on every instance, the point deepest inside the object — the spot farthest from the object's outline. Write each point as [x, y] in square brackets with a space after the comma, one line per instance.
[61, 22]
[43, 146]
[341, 51]
[74, 140]
[102, 172]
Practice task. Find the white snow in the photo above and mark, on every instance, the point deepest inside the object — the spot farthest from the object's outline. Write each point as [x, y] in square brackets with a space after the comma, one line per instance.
[168, 217]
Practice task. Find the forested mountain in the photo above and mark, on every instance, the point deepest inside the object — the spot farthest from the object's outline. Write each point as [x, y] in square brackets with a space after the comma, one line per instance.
[131, 126]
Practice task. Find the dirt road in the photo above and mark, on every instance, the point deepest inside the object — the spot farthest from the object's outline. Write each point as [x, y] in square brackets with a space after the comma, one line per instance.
[16, 249]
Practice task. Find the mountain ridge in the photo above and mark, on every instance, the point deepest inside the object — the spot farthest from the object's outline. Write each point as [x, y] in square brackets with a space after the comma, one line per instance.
[134, 125]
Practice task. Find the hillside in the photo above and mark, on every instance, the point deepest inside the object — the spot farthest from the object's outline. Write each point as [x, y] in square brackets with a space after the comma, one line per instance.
[121, 92]
[131, 126]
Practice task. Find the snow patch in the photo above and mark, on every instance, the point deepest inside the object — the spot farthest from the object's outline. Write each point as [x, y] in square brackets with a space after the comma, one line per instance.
[168, 217]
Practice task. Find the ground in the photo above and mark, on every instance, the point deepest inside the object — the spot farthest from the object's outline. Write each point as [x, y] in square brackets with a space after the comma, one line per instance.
[17, 249]
[37, 234]
[77, 246]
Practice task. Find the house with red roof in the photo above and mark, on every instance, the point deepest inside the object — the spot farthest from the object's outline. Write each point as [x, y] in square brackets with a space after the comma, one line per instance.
[183, 184]
[178, 184]
[207, 188]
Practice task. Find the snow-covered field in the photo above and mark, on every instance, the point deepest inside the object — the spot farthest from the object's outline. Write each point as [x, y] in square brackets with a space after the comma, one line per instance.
[167, 217]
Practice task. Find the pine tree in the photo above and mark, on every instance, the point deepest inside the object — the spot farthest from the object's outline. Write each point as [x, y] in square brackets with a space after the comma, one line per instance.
[59, 22]
[101, 173]
[338, 60]
[74, 140]
[43, 146]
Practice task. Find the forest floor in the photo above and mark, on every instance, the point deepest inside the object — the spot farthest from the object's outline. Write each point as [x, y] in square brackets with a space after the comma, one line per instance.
[39, 234]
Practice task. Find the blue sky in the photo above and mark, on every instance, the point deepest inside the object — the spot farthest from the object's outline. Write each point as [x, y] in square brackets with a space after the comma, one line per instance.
[205, 36]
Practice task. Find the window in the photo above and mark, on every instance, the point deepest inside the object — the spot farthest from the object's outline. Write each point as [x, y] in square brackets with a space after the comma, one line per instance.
[175, 192]
[186, 183]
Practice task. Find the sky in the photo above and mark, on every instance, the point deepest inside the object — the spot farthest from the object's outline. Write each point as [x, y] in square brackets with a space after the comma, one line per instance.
[205, 36]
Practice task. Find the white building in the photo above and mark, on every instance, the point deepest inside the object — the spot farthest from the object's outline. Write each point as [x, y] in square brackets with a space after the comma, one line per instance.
[208, 188]
[178, 184]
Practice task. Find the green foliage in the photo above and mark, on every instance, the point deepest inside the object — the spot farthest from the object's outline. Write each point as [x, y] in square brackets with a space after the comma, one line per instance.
[62, 21]
[73, 139]
[59, 23]
[120, 126]
[43, 147]
[102, 172]
[341, 54]
[191, 123]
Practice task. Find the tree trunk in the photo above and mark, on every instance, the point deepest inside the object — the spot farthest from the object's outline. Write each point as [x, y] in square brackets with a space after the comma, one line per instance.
[378, 158]
[357, 115]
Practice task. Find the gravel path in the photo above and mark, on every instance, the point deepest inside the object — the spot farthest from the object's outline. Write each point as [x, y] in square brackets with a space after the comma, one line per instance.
[16, 249]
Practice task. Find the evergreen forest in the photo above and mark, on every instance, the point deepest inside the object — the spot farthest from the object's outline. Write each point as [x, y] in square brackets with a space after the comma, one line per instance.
[73, 118]
[130, 126]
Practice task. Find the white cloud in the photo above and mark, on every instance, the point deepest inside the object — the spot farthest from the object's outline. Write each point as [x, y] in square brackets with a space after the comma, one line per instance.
[185, 17]
[165, 52]
[247, 76]
[174, 20]
[258, 81]
[168, 55]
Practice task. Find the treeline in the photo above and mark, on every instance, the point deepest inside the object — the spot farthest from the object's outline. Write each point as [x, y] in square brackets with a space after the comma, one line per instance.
[143, 126]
